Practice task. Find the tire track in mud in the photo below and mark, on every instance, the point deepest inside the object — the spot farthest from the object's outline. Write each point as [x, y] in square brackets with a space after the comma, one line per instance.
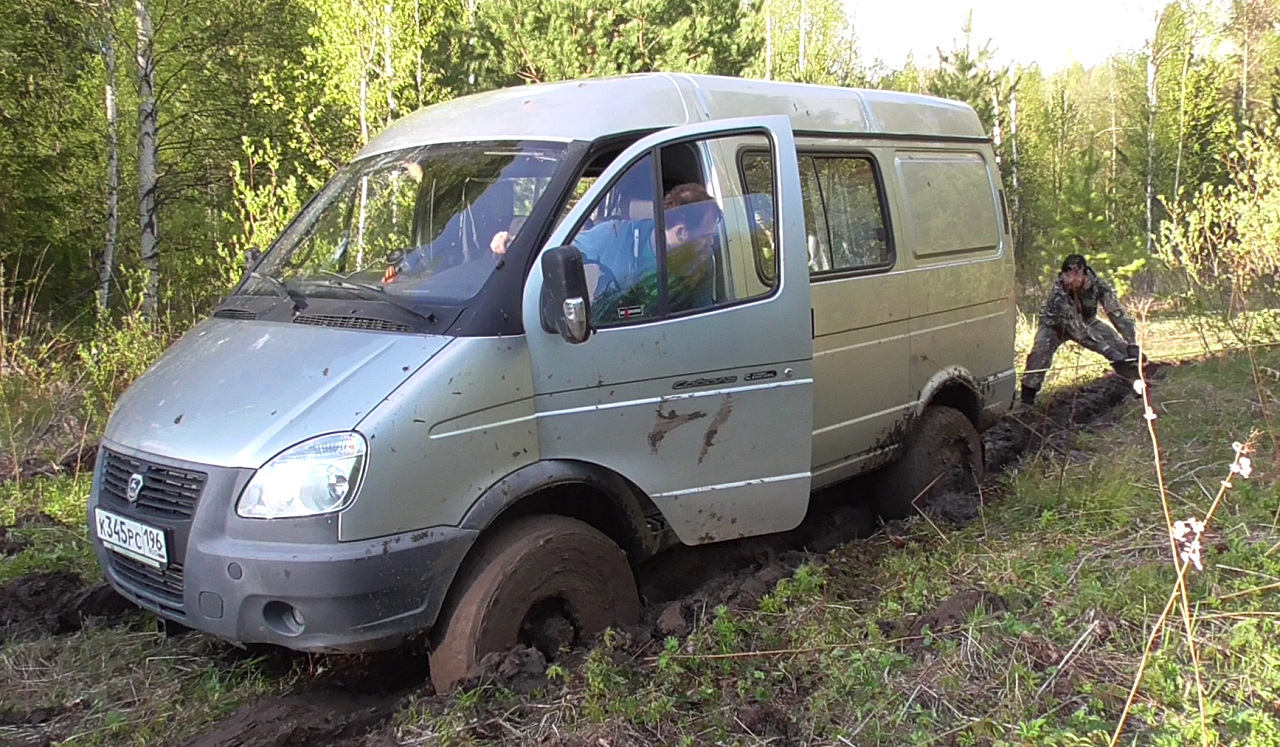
[352, 704]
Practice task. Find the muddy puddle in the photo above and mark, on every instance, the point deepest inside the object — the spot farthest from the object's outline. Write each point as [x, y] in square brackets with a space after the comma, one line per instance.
[52, 602]
[679, 588]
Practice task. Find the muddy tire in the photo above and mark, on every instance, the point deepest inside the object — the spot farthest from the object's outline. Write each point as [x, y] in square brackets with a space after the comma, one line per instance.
[942, 442]
[534, 564]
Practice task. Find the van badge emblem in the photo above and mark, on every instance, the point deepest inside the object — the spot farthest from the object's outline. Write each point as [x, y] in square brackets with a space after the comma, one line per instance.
[136, 482]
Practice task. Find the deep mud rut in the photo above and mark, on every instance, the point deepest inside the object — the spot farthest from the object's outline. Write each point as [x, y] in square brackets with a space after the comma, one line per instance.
[354, 706]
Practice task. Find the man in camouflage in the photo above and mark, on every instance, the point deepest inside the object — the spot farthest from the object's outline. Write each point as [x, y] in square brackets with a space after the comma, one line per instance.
[1071, 313]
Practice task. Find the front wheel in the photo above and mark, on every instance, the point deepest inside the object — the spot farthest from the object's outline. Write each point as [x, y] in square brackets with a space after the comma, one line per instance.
[943, 453]
[538, 579]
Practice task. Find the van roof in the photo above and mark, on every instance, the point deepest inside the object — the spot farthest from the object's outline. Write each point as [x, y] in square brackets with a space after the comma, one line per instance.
[592, 108]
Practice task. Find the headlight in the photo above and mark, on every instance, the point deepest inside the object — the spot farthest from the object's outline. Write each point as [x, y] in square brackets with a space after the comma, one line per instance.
[314, 477]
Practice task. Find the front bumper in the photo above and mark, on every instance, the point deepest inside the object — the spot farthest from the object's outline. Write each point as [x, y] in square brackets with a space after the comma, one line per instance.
[287, 582]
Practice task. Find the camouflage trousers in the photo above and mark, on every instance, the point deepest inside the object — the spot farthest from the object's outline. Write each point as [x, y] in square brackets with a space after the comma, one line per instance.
[1102, 339]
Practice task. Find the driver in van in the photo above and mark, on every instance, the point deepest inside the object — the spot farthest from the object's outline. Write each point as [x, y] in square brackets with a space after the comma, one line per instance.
[622, 266]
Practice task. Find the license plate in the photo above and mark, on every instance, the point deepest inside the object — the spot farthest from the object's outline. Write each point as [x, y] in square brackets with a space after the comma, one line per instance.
[128, 537]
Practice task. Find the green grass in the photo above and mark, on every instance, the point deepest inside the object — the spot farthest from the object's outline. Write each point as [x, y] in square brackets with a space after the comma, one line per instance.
[61, 544]
[128, 686]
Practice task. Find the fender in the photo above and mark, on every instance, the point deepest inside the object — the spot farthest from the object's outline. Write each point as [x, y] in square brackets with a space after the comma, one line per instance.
[624, 513]
[953, 386]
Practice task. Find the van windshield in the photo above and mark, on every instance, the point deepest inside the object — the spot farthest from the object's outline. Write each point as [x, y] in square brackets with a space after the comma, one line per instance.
[409, 227]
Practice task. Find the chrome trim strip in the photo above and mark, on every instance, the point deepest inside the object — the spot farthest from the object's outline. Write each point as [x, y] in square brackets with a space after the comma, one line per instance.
[731, 485]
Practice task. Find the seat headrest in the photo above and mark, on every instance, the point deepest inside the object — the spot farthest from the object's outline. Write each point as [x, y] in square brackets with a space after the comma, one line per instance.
[640, 210]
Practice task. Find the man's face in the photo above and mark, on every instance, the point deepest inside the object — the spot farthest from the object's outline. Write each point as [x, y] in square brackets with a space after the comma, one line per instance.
[699, 234]
[1073, 279]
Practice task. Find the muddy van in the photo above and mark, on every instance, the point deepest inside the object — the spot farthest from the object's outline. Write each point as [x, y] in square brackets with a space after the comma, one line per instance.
[531, 337]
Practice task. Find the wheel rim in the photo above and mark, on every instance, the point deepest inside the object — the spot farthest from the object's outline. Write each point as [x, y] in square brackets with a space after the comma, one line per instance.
[549, 627]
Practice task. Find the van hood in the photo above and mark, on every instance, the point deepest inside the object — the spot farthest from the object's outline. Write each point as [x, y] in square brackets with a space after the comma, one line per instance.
[236, 393]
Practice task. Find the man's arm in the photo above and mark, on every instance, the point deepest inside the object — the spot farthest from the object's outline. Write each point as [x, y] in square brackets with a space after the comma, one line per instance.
[1116, 313]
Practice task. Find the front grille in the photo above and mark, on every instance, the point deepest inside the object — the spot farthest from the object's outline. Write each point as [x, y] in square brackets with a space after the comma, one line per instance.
[166, 491]
[156, 589]
[235, 314]
[351, 322]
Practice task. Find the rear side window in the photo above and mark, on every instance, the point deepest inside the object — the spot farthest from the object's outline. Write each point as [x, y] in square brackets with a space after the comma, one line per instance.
[855, 213]
[951, 203]
[844, 211]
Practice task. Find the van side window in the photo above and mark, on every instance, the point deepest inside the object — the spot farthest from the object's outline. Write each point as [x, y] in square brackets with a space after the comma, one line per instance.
[854, 212]
[818, 233]
[688, 247]
[843, 210]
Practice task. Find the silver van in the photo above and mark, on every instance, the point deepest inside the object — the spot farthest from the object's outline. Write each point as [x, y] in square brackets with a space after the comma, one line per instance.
[529, 338]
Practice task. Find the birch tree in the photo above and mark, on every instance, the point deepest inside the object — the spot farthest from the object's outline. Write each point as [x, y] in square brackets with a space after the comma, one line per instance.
[805, 40]
[107, 263]
[148, 175]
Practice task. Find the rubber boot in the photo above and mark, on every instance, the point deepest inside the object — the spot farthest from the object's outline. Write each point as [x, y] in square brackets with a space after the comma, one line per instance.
[1029, 395]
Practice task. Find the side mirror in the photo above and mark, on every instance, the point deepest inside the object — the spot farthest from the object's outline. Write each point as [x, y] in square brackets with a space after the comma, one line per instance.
[565, 305]
[251, 257]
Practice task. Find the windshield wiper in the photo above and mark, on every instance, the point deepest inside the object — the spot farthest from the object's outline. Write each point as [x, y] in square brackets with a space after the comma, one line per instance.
[282, 290]
[381, 294]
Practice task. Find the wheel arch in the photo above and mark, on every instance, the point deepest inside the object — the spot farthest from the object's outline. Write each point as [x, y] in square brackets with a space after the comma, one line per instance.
[579, 490]
[956, 388]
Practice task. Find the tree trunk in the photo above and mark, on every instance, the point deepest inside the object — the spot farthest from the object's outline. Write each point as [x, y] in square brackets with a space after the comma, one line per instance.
[149, 245]
[802, 38]
[417, 75]
[768, 41]
[1152, 69]
[388, 67]
[113, 162]
[1244, 83]
[1112, 211]
[1182, 115]
[1016, 191]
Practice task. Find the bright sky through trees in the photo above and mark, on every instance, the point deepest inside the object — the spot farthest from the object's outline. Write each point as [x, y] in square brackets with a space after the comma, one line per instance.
[1024, 31]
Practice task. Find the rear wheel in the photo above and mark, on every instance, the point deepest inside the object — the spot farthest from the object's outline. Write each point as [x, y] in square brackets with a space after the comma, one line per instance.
[943, 453]
[544, 581]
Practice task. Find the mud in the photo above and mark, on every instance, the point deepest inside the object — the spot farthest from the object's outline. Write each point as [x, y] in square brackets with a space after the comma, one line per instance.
[768, 723]
[55, 603]
[1033, 430]
[50, 603]
[522, 670]
[316, 719]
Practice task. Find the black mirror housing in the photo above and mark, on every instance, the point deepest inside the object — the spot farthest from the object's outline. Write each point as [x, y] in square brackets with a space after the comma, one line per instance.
[565, 306]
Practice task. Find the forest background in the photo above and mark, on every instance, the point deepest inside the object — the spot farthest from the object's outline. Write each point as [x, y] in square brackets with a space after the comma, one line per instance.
[144, 147]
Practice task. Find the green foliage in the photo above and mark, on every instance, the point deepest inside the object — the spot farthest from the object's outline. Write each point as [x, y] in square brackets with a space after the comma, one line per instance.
[1224, 244]
[267, 198]
[967, 74]
[548, 40]
[803, 40]
[117, 354]
[50, 147]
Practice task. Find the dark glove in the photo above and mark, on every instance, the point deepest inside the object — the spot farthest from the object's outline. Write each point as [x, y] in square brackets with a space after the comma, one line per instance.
[1134, 352]
[1116, 355]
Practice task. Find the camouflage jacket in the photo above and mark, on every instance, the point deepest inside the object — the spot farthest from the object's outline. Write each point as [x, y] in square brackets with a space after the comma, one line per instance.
[1071, 315]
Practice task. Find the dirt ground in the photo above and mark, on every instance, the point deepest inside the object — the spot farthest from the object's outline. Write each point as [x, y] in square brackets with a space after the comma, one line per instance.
[679, 587]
